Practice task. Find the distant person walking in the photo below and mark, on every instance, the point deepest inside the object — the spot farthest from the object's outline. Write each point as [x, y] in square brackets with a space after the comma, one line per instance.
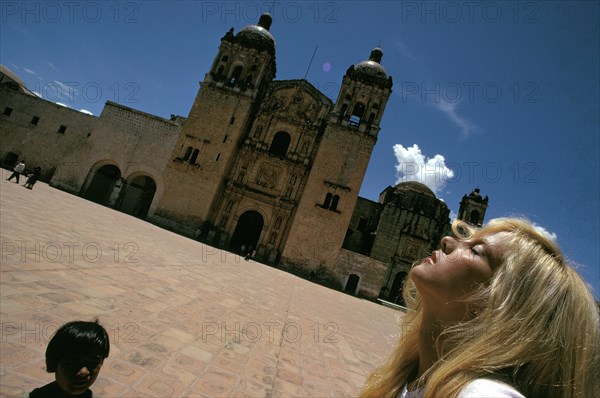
[17, 171]
[33, 177]
[249, 252]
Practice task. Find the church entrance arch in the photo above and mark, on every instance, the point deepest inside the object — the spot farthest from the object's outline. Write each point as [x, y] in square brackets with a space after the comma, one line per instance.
[102, 184]
[352, 284]
[137, 196]
[247, 231]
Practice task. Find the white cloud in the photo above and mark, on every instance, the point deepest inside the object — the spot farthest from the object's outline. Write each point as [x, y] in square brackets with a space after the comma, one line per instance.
[415, 166]
[449, 109]
[544, 231]
[86, 112]
[29, 71]
[53, 67]
[453, 216]
[67, 91]
[404, 50]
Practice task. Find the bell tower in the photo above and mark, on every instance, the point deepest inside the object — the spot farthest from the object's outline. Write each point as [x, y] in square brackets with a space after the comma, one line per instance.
[245, 62]
[472, 208]
[363, 95]
[347, 138]
[217, 122]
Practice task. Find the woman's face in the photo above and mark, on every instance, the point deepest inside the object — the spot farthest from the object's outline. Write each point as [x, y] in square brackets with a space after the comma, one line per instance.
[75, 375]
[456, 269]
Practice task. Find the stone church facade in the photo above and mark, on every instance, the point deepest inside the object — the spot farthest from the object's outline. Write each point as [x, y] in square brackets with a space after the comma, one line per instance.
[274, 165]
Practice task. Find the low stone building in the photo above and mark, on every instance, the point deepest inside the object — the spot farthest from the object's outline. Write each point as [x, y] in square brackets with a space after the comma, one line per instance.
[38, 131]
[122, 163]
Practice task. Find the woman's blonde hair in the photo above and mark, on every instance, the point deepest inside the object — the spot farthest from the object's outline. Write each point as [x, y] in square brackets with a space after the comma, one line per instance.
[536, 326]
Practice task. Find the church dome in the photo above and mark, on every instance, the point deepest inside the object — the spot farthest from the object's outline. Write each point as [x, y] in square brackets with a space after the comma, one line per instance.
[371, 71]
[414, 186]
[258, 36]
[372, 67]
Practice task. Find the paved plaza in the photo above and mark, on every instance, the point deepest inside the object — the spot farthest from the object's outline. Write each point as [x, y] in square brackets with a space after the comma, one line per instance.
[184, 319]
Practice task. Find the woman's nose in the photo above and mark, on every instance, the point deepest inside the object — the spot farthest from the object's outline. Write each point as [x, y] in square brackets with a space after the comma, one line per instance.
[448, 244]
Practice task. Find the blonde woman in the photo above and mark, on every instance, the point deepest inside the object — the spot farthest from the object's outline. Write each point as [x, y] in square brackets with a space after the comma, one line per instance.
[496, 312]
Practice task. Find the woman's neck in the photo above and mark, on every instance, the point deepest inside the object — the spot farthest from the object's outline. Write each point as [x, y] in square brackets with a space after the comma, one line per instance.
[428, 335]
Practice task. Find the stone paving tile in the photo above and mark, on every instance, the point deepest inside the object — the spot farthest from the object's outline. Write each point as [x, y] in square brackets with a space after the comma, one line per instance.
[185, 319]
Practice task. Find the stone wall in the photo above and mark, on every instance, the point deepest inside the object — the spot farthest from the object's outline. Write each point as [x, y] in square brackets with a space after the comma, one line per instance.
[371, 272]
[136, 142]
[41, 132]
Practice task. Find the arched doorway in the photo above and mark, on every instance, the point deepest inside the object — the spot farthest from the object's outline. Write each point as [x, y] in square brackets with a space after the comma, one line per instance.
[396, 291]
[10, 160]
[137, 196]
[102, 184]
[352, 284]
[247, 231]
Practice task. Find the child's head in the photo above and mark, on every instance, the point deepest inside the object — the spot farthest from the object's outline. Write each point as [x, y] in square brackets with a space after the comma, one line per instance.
[75, 353]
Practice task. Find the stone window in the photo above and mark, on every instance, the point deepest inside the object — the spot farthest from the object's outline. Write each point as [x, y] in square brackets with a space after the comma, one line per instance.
[35, 120]
[62, 129]
[357, 114]
[371, 119]
[327, 202]
[343, 111]
[280, 144]
[331, 202]
[474, 217]
[194, 156]
[235, 76]
[8, 111]
[188, 152]
[334, 203]
[362, 224]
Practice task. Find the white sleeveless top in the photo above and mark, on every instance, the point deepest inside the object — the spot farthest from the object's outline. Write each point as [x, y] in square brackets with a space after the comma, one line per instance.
[478, 388]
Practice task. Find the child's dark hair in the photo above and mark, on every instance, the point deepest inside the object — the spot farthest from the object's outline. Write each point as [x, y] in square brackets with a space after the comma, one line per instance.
[75, 338]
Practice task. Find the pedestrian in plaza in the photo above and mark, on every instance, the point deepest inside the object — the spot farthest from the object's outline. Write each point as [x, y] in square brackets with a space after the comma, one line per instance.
[495, 312]
[75, 355]
[249, 252]
[33, 177]
[19, 168]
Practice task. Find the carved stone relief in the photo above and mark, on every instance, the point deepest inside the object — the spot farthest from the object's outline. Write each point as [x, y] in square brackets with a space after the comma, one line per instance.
[267, 176]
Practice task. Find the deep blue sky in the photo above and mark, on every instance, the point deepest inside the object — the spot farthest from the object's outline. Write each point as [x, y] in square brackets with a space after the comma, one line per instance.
[503, 94]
